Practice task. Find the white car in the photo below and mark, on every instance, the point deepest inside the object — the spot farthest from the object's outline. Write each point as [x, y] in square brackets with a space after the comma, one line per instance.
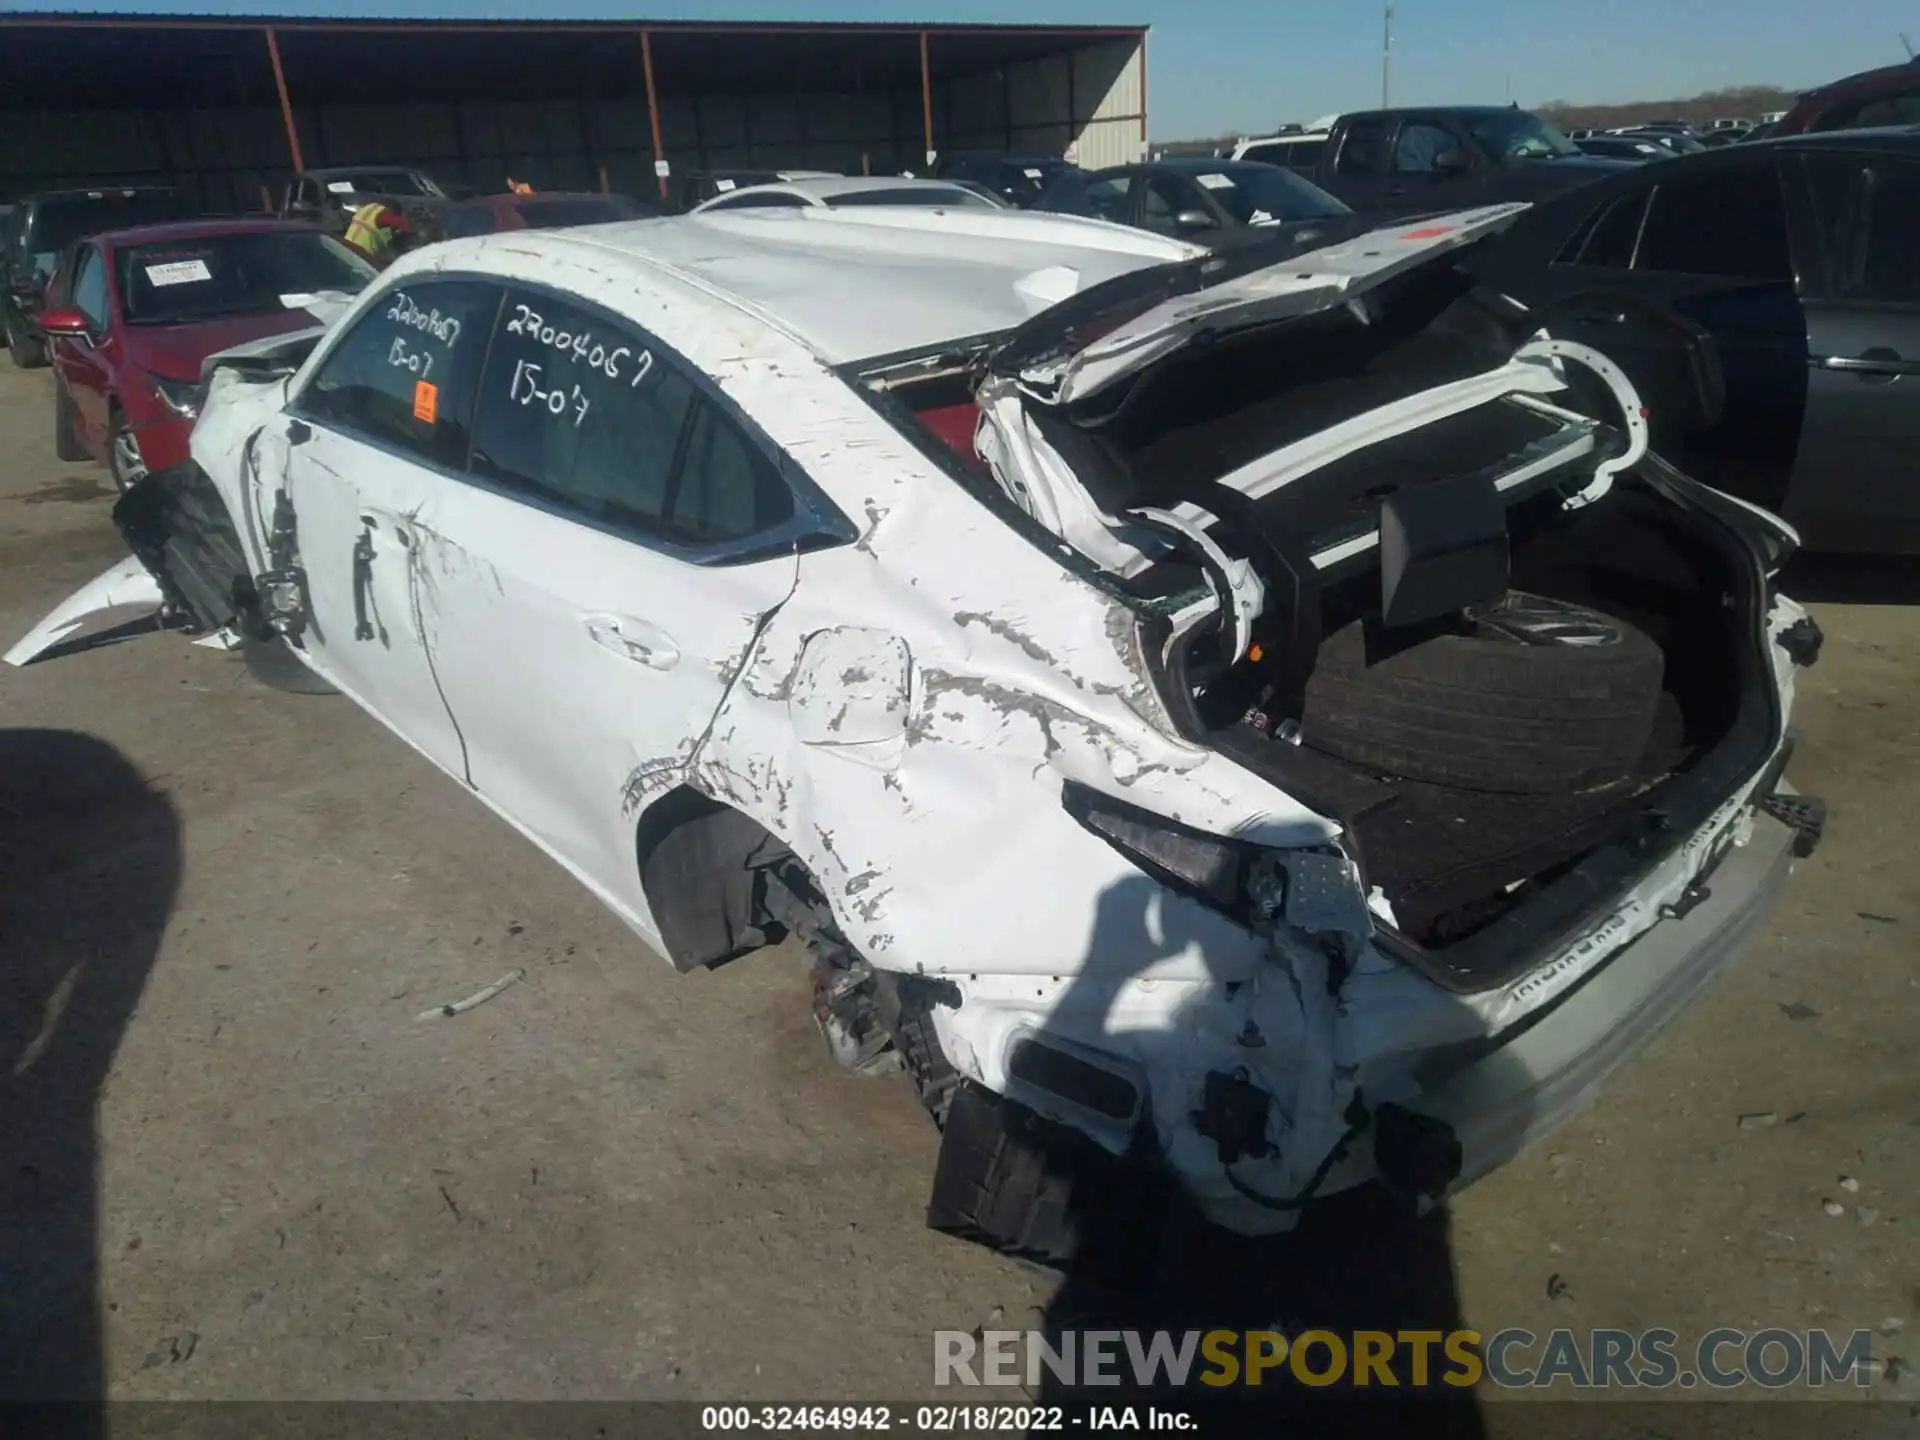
[1256, 726]
[844, 192]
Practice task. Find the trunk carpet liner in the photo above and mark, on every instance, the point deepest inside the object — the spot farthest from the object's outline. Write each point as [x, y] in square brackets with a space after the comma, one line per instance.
[1444, 856]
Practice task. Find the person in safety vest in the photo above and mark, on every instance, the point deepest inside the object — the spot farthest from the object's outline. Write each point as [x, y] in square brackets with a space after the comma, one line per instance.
[376, 229]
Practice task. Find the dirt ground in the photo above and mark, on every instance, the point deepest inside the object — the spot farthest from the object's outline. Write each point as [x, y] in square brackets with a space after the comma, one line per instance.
[612, 1181]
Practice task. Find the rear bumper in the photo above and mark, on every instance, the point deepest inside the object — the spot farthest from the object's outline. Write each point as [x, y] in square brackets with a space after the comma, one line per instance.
[1542, 1077]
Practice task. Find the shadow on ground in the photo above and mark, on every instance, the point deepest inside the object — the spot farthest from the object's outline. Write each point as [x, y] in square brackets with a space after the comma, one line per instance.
[1363, 1260]
[89, 866]
[1853, 579]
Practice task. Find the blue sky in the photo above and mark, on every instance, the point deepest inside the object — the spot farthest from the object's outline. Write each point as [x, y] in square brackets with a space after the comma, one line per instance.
[1245, 65]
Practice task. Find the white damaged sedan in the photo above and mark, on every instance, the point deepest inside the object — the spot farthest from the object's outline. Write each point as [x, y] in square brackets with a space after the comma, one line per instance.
[1245, 725]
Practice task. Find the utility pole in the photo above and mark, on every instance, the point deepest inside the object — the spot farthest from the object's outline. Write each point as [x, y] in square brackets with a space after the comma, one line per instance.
[1386, 59]
[1908, 44]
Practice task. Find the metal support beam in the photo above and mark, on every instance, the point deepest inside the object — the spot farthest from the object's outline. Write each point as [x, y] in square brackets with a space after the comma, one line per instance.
[286, 105]
[653, 109]
[926, 98]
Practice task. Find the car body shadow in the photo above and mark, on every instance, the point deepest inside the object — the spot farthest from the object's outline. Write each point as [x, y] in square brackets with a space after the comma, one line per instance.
[1361, 1260]
[1835, 579]
[89, 868]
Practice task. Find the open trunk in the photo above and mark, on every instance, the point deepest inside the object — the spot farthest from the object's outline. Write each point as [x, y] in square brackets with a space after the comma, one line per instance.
[1367, 480]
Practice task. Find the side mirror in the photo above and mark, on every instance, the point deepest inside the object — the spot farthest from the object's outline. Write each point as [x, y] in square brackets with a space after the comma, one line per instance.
[70, 323]
[1452, 162]
[1195, 220]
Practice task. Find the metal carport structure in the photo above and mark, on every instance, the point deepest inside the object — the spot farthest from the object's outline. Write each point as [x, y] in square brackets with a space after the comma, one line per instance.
[228, 107]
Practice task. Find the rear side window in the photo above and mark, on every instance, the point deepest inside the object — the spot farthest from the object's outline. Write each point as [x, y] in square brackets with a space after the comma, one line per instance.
[727, 489]
[1607, 237]
[1732, 222]
[1363, 149]
[584, 415]
[406, 373]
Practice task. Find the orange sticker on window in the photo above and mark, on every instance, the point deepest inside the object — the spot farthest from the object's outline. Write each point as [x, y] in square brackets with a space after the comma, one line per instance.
[426, 401]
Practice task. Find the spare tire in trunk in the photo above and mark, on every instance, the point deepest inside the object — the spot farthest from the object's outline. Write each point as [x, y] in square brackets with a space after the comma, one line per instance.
[1529, 696]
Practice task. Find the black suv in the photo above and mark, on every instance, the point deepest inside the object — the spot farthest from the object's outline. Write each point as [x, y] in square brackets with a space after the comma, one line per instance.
[39, 227]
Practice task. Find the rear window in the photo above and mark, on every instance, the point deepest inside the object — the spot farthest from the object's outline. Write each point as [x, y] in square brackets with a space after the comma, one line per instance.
[177, 282]
[908, 195]
[56, 224]
[376, 182]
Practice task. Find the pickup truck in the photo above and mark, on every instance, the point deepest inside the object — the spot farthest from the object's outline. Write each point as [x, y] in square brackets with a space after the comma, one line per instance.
[328, 198]
[1392, 163]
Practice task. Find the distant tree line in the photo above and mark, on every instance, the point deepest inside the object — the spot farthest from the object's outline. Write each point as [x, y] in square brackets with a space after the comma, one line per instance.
[1747, 102]
[1742, 102]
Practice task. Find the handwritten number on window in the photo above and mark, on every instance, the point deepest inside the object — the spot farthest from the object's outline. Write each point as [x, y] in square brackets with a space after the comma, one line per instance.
[582, 346]
[526, 389]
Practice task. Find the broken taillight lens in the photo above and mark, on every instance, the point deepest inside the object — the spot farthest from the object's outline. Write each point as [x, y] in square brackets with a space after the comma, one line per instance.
[1207, 867]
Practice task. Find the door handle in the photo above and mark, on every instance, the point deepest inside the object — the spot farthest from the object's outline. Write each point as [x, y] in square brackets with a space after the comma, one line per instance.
[1878, 363]
[634, 640]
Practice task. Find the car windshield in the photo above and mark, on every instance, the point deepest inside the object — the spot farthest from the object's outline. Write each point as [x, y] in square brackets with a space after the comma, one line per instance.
[911, 195]
[1516, 135]
[58, 223]
[209, 277]
[1259, 194]
[377, 182]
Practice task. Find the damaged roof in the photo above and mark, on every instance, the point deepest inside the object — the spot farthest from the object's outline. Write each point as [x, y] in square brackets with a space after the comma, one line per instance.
[852, 285]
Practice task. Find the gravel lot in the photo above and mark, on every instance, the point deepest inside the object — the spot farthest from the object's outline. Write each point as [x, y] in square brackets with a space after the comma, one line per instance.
[614, 1182]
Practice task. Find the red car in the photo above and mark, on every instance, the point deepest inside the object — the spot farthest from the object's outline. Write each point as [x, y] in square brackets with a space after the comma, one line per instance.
[133, 313]
[1888, 96]
[490, 214]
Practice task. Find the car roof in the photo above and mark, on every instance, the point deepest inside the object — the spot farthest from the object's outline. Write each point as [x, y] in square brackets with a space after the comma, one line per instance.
[203, 230]
[1898, 139]
[856, 284]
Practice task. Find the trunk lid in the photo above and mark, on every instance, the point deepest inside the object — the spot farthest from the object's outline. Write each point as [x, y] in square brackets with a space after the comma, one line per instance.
[1085, 344]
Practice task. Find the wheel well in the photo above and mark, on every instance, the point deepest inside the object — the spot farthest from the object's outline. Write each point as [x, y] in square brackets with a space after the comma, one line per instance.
[706, 869]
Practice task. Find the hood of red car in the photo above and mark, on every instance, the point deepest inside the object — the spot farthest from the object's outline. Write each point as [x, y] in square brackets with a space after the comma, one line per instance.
[176, 351]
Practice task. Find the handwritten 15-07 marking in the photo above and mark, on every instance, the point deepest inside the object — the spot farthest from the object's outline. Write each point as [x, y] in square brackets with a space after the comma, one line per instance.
[414, 362]
[526, 389]
[443, 328]
[581, 345]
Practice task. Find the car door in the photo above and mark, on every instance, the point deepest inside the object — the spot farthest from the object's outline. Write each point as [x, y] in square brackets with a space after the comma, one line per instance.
[378, 422]
[1709, 245]
[1856, 478]
[592, 590]
[84, 364]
